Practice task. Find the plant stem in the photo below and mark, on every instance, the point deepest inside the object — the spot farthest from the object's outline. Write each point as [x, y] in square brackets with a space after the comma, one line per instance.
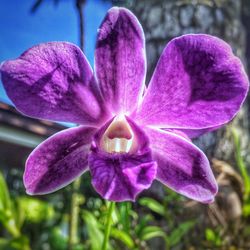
[74, 215]
[108, 225]
[79, 6]
[75, 200]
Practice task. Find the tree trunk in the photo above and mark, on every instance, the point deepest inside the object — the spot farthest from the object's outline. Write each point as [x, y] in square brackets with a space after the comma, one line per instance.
[164, 20]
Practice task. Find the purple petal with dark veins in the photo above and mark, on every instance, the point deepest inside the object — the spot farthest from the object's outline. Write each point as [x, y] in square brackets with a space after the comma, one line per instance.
[121, 176]
[198, 84]
[53, 81]
[120, 61]
[58, 161]
[182, 166]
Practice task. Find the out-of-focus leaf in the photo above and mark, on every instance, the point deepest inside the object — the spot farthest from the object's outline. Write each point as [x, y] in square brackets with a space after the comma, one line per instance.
[124, 215]
[57, 239]
[104, 212]
[10, 226]
[3, 217]
[95, 234]
[36, 210]
[20, 243]
[153, 205]
[210, 235]
[115, 216]
[240, 163]
[8, 211]
[3, 243]
[172, 196]
[177, 234]
[150, 232]
[142, 224]
[246, 231]
[246, 209]
[19, 214]
[213, 237]
[122, 236]
[5, 202]
[79, 247]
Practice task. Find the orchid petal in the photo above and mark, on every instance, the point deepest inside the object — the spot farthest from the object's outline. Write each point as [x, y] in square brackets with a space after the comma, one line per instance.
[120, 61]
[53, 81]
[121, 176]
[182, 166]
[58, 160]
[198, 84]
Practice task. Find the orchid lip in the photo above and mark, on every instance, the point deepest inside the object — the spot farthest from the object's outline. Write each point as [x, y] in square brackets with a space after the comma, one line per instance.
[119, 137]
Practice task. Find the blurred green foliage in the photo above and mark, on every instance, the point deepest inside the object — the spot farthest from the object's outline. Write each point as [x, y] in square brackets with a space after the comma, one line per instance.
[213, 237]
[244, 173]
[164, 222]
[12, 218]
[31, 223]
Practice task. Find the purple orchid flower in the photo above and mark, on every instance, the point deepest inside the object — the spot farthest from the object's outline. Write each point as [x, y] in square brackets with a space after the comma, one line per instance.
[130, 135]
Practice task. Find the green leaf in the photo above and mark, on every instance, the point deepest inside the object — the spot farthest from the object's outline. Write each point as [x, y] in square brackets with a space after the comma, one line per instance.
[177, 234]
[20, 243]
[241, 164]
[57, 239]
[210, 235]
[172, 196]
[19, 214]
[142, 224]
[123, 237]
[246, 231]
[3, 217]
[153, 205]
[36, 210]
[95, 234]
[150, 232]
[79, 247]
[5, 202]
[213, 237]
[124, 215]
[3, 243]
[246, 209]
[7, 209]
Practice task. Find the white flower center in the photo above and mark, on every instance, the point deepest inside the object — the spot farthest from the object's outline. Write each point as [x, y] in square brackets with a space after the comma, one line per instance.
[118, 137]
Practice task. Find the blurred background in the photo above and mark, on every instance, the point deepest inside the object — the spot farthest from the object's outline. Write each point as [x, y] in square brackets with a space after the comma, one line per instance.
[160, 219]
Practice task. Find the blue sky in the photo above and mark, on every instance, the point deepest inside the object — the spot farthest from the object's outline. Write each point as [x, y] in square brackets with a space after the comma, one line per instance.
[21, 30]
